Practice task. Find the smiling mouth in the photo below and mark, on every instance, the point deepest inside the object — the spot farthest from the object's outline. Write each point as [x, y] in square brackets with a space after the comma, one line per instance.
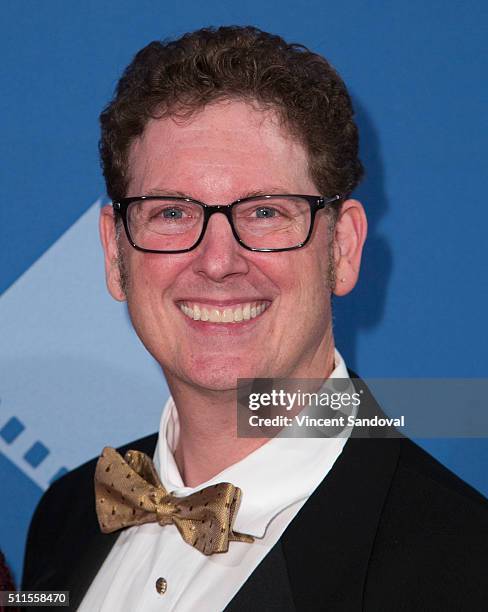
[231, 314]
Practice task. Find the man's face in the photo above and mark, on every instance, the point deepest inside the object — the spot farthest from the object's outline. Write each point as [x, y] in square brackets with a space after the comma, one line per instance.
[225, 152]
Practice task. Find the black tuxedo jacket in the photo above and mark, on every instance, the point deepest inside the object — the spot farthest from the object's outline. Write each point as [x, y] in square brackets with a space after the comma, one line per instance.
[388, 529]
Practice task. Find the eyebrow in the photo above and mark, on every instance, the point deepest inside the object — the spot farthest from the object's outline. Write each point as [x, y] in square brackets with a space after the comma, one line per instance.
[269, 191]
[161, 191]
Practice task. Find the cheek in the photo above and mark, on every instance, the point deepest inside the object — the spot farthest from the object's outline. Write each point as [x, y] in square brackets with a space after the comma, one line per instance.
[314, 301]
[306, 277]
[154, 271]
[150, 277]
[303, 310]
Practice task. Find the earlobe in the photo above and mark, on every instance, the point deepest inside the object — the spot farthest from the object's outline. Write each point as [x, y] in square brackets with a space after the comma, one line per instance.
[108, 238]
[349, 237]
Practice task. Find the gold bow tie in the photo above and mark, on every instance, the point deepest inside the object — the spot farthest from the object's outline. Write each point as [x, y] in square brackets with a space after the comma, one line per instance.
[128, 492]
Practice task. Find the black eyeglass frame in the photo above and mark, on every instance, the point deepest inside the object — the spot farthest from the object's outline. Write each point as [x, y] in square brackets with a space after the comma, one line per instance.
[316, 203]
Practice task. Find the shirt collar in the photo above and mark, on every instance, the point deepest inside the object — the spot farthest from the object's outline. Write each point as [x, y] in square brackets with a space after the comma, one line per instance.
[279, 473]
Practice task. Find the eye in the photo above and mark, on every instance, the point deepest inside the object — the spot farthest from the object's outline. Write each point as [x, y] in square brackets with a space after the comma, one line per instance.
[265, 212]
[172, 213]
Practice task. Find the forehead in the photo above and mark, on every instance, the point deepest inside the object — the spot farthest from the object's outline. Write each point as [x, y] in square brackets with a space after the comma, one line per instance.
[222, 151]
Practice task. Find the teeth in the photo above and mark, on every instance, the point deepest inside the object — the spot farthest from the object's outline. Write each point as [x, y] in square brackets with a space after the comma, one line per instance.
[215, 316]
[240, 312]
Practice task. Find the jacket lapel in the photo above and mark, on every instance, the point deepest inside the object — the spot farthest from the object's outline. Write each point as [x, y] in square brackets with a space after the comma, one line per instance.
[322, 558]
[321, 561]
[267, 588]
[79, 581]
[328, 545]
[97, 545]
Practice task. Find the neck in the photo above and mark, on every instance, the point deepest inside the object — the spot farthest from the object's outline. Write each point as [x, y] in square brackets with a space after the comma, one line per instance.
[208, 441]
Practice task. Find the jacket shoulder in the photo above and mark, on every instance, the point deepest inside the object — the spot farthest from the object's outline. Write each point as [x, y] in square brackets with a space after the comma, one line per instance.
[417, 463]
[432, 541]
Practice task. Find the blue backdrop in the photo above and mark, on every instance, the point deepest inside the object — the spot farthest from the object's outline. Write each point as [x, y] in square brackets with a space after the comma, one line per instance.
[69, 361]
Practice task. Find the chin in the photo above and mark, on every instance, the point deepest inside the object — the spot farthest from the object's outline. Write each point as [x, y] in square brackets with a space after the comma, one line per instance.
[220, 374]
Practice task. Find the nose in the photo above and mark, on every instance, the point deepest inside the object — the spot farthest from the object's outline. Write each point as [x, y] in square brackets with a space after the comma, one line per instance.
[219, 255]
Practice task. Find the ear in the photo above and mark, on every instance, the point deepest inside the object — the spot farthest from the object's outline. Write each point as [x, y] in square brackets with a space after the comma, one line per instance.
[349, 236]
[111, 252]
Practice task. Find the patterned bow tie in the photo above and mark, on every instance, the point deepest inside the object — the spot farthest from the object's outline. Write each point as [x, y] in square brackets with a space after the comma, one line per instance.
[128, 492]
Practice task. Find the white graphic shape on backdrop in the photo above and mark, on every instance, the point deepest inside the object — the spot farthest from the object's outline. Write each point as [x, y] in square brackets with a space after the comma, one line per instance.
[72, 370]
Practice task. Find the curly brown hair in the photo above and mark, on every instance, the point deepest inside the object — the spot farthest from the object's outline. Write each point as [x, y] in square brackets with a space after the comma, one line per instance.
[182, 76]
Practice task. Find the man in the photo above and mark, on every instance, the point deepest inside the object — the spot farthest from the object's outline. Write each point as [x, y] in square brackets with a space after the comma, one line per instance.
[230, 157]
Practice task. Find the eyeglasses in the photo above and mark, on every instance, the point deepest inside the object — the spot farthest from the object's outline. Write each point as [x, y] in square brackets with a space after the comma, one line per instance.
[168, 224]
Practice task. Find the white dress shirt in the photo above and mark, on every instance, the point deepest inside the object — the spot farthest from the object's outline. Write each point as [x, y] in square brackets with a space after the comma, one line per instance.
[275, 480]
